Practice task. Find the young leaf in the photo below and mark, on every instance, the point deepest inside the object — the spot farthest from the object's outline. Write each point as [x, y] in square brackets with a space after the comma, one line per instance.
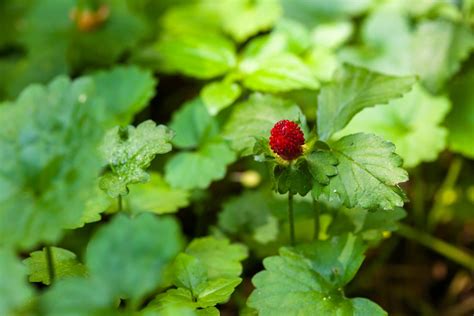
[193, 125]
[219, 94]
[221, 258]
[14, 292]
[190, 170]
[412, 123]
[367, 174]
[278, 73]
[322, 165]
[65, 265]
[125, 91]
[460, 120]
[48, 162]
[354, 89]
[203, 56]
[216, 291]
[129, 151]
[156, 196]
[312, 275]
[255, 118]
[127, 256]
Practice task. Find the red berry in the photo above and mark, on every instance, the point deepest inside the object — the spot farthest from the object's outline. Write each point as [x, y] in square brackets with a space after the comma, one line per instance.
[286, 139]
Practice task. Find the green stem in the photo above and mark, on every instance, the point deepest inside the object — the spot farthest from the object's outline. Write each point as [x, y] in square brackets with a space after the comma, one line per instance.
[448, 184]
[317, 211]
[291, 218]
[120, 203]
[438, 245]
[50, 264]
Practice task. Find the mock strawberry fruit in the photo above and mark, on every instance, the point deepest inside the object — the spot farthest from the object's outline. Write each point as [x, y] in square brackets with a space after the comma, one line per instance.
[286, 139]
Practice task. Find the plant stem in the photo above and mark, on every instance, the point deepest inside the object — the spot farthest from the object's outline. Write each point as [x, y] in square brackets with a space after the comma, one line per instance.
[447, 250]
[291, 218]
[50, 264]
[448, 184]
[316, 209]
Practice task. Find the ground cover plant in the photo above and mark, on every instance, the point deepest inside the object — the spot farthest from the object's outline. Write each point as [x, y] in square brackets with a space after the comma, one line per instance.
[236, 157]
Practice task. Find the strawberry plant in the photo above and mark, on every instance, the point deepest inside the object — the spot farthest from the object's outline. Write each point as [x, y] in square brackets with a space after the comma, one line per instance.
[236, 157]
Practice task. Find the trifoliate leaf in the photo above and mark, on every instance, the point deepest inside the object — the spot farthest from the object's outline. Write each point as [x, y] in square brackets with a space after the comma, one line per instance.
[369, 225]
[295, 178]
[156, 196]
[313, 276]
[353, 90]
[48, 162]
[278, 73]
[216, 291]
[193, 125]
[460, 120]
[67, 298]
[439, 47]
[129, 151]
[189, 272]
[125, 91]
[367, 174]
[98, 203]
[412, 123]
[65, 265]
[221, 258]
[322, 165]
[203, 56]
[14, 292]
[219, 95]
[255, 118]
[129, 255]
[242, 19]
[191, 170]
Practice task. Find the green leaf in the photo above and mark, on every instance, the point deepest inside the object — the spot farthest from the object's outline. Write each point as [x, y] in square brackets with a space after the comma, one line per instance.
[125, 90]
[129, 151]
[221, 258]
[14, 292]
[193, 125]
[48, 162]
[65, 265]
[368, 174]
[189, 272]
[156, 196]
[278, 73]
[332, 35]
[191, 170]
[250, 212]
[308, 280]
[412, 123]
[452, 44]
[242, 19]
[219, 95]
[294, 178]
[369, 225]
[67, 297]
[216, 291]
[322, 165]
[460, 120]
[353, 90]
[255, 118]
[202, 56]
[127, 256]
